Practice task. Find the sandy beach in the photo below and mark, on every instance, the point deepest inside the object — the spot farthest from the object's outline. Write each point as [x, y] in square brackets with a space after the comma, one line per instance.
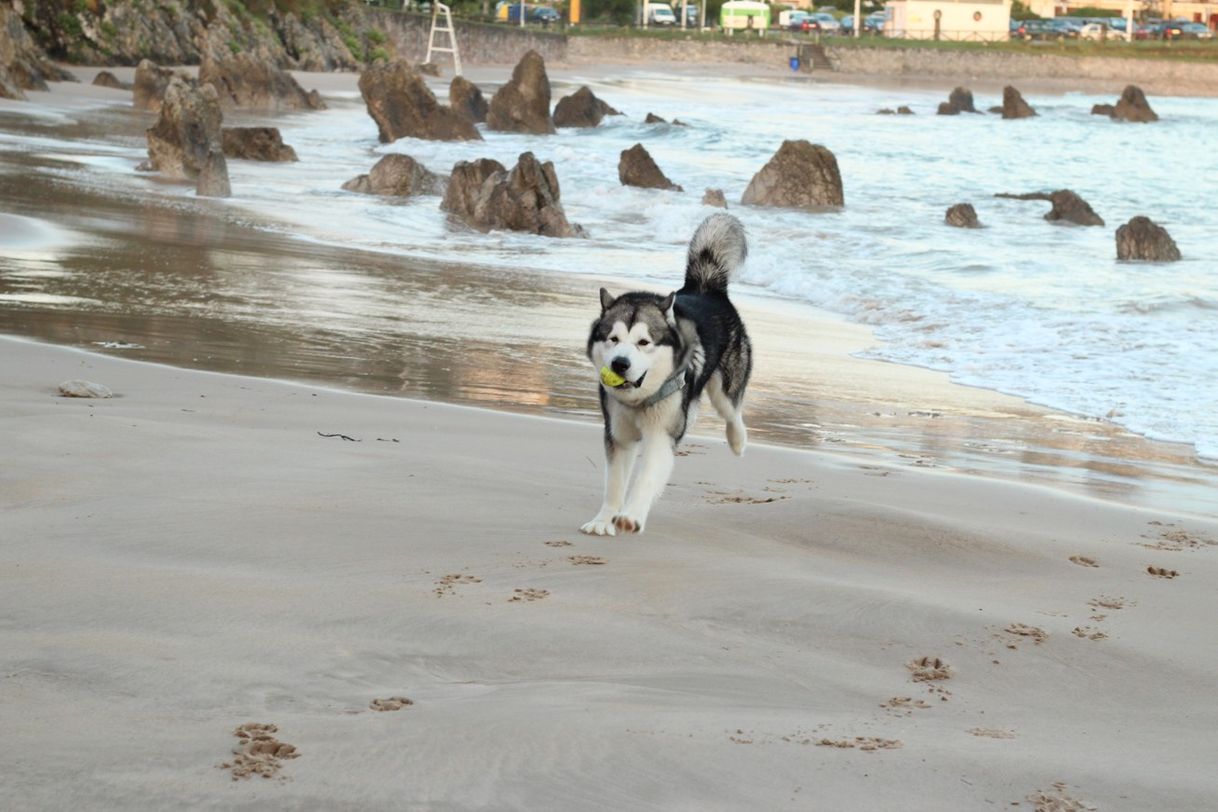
[192, 555]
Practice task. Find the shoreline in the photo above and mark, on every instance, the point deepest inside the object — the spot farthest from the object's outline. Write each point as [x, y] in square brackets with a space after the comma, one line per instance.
[190, 556]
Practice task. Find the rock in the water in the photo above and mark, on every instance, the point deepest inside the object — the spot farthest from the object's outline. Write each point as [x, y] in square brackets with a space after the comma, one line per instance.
[1132, 106]
[995, 109]
[652, 118]
[77, 388]
[465, 186]
[151, 82]
[1142, 238]
[256, 144]
[714, 197]
[523, 104]
[402, 106]
[885, 111]
[397, 175]
[1013, 105]
[636, 168]
[1067, 206]
[676, 122]
[960, 101]
[581, 109]
[904, 111]
[213, 177]
[962, 215]
[246, 82]
[187, 131]
[466, 99]
[1102, 109]
[800, 175]
[105, 78]
[524, 199]
[23, 65]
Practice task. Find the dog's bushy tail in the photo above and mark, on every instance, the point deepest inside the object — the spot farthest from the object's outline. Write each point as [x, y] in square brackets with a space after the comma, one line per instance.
[716, 252]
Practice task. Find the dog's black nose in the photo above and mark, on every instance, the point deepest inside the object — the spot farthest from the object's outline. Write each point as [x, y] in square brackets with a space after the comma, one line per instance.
[620, 365]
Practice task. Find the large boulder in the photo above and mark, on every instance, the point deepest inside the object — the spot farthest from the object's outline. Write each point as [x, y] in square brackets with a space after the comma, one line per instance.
[524, 199]
[1067, 206]
[1013, 105]
[1132, 106]
[714, 197]
[186, 132]
[399, 176]
[1102, 109]
[403, 107]
[960, 101]
[465, 186]
[213, 176]
[23, 65]
[636, 168]
[151, 82]
[903, 110]
[243, 81]
[466, 99]
[256, 144]
[581, 109]
[523, 104]
[962, 215]
[105, 78]
[800, 175]
[1142, 238]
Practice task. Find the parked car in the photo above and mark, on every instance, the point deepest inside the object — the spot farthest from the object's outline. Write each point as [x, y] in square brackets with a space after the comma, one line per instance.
[799, 21]
[1183, 29]
[691, 15]
[544, 15]
[1019, 30]
[824, 21]
[1095, 31]
[846, 25]
[661, 15]
[873, 23]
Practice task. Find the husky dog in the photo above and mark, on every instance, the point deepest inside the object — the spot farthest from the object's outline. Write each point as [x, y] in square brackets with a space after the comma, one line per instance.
[656, 354]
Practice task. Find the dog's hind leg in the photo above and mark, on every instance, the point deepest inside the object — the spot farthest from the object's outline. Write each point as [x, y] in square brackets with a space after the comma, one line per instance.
[654, 469]
[619, 461]
[731, 410]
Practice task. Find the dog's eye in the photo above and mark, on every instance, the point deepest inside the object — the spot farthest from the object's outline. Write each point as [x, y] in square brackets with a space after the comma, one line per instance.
[643, 342]
[613, 339]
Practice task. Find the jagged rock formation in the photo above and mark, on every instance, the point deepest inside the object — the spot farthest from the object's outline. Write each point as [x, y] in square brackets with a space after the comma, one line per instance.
[800, 176]
[466, 99]
[105, 78]
[244, 81]
[213, 176]
[581, 109]
[714, 197]
[1067, 206]
[962, 215]
[636, 168]
[1013, 105]
[151, 82]
[523, 104]
[399, 176]
[960, 101]
[1142, 238]
[402, 105]
[524, 199]
[187, 131]
[1132, 106]
[23, 65]
[256, 144]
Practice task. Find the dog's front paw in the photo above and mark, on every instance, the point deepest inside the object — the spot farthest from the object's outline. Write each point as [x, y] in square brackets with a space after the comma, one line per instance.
[628, 524]
[599, 527]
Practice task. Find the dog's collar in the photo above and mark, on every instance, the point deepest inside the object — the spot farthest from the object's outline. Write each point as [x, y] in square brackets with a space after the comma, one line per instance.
[673, 383]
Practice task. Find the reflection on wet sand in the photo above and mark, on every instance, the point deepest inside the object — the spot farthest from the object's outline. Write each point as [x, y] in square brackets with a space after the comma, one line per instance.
[192, 288]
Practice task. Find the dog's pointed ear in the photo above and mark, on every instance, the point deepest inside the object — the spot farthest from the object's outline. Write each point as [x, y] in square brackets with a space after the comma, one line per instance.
[666, 304]
[607, 300]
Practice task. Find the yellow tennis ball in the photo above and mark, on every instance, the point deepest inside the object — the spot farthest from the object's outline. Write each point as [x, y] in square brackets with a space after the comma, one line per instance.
[610, 378]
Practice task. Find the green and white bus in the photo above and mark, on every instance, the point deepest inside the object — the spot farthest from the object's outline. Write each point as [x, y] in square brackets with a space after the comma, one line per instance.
[744, 14]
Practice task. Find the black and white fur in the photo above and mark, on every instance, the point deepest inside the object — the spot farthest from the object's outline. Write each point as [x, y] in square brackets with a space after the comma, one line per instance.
[646, 338]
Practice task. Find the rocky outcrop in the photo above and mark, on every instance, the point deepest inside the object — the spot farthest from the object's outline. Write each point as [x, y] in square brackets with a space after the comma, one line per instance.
[151, 82]
[246, 82]
[801, 175]
[1013, 105]
[428, 69]
[960, 101]
[1132, 106]
[523, 104]
[581, 109]
[256, 144]
[466, 99]
[213, 176]
[904, 111]
[652, 118]
[524, 199]
[187, 131]
[105, 78]
[399, 176]
[885, 111]
[1142, 238]
[402, 106]
[636, 168]
[962, 215]
[714, 197]
[23, 65]
[1067, 206]
[1102, 109]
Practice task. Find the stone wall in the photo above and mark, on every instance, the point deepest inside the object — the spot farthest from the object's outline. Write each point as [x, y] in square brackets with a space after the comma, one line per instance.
[479, 43]
[591, 50]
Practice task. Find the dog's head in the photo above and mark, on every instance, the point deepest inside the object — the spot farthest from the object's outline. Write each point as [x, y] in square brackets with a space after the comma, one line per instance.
[636, 338]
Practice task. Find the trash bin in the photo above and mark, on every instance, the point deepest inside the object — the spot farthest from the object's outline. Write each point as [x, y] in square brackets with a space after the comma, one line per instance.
[794, 63]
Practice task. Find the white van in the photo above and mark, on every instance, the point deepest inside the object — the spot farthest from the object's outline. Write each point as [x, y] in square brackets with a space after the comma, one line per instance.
[661, 14]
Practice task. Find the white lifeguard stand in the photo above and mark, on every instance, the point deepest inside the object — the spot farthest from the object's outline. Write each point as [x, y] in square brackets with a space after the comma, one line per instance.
[447, 28]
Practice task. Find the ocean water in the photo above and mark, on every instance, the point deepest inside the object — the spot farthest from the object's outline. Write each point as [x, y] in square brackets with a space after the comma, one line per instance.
[1023, 306]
